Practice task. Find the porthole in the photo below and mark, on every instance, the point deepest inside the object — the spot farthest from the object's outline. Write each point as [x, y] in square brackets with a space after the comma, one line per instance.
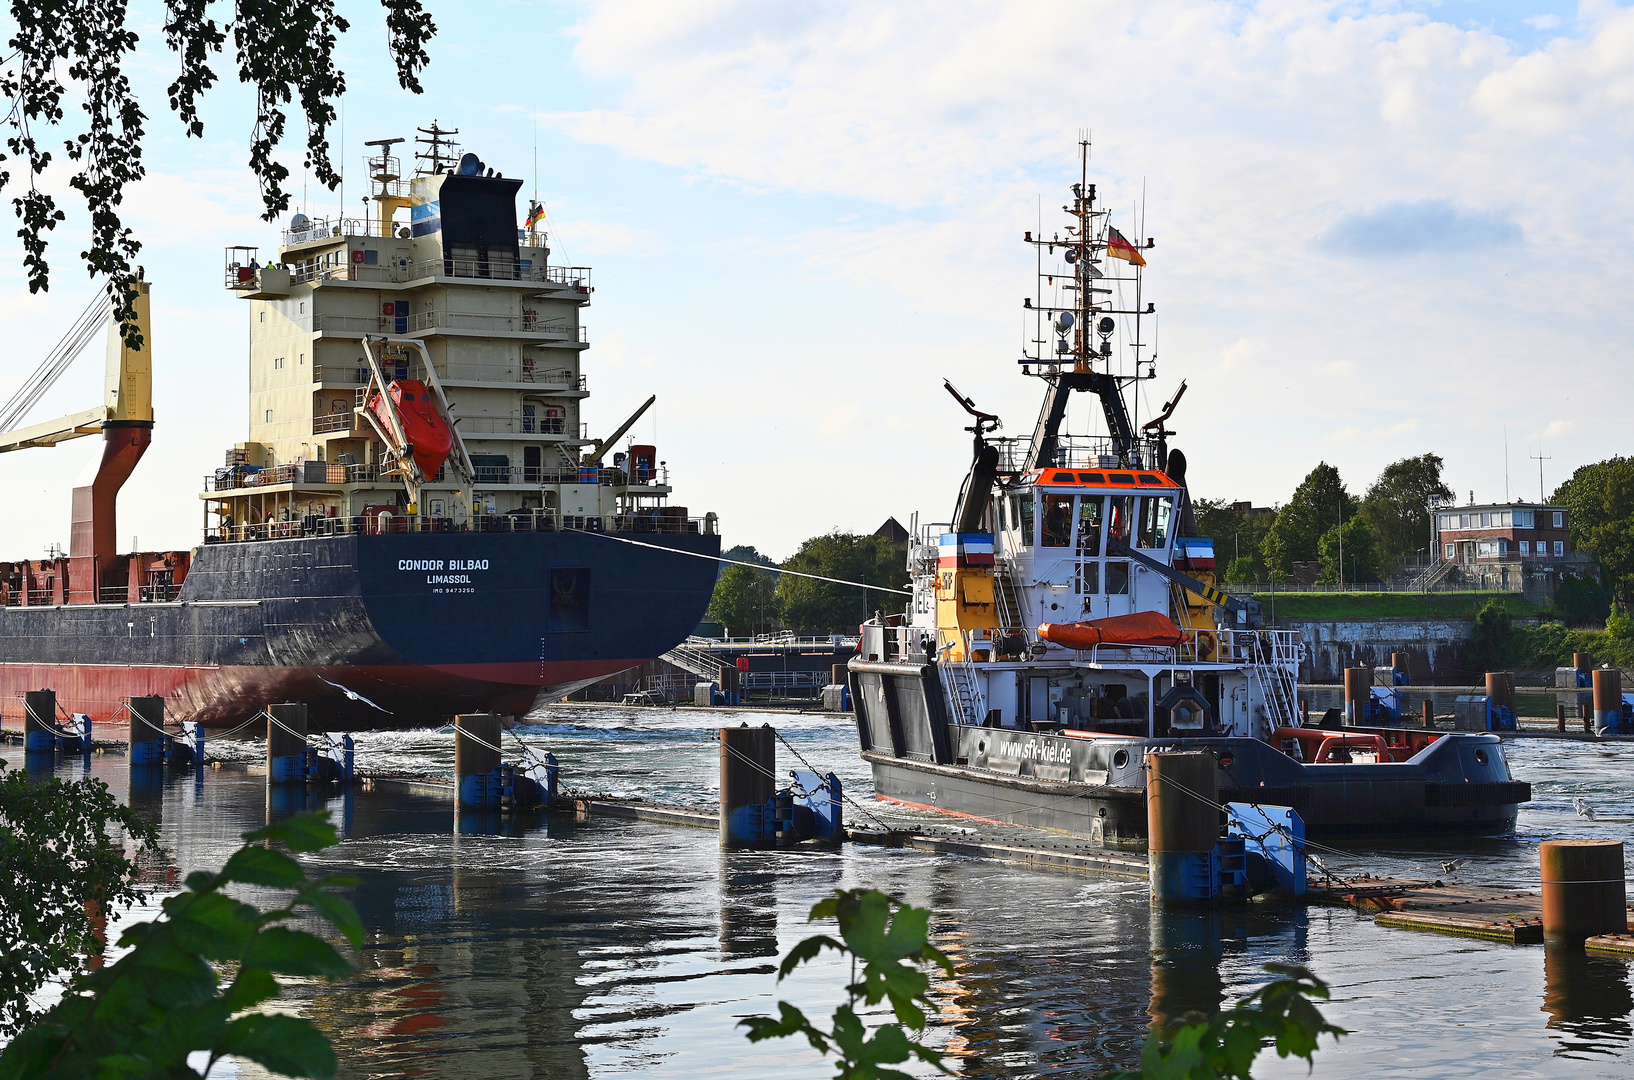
[1227, 760]
[981, 748]
[1102, 810]
[1120, 759]
[1480, 756]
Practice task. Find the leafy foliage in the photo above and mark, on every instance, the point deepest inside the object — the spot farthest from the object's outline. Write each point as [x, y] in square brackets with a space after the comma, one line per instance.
[890, 940]
[1492, 642]
[1601, 500]
[1279, 1014]
[1397, 505]
[822, 607]
[285, 49]
[1318, 504]
[163, 1000]
[62, 862]
[1582, 602]
[745, 599]
[1355, 540]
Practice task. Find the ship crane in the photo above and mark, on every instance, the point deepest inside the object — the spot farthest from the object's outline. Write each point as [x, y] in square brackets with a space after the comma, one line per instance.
[124, 420]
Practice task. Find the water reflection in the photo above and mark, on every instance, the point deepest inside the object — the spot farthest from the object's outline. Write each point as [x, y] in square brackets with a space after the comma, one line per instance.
[1588, 1001]
[749, 882]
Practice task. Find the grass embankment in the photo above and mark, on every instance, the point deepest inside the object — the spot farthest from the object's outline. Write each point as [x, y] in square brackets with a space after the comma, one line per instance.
[1393, 605]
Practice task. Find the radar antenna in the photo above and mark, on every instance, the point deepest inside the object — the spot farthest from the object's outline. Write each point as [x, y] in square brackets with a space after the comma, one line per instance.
[439, 156]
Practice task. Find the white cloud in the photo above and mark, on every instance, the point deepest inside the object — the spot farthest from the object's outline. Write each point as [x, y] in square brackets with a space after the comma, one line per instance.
[1254, 129]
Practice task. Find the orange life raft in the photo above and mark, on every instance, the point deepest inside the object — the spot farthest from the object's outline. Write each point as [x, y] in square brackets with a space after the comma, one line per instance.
[1141, 628]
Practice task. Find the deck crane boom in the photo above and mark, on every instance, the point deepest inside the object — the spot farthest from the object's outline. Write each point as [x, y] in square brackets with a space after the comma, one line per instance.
[125, 421]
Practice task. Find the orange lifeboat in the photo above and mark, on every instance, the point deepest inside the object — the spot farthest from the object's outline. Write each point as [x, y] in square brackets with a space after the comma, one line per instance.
[1141, 628]
[430, 439]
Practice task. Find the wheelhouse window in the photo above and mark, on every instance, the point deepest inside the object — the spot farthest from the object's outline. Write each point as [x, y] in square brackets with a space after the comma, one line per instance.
[1117, 578]
[1021, 511]
[1090, 512]
[1057, 520]
[1155, 512]
[1118, 519]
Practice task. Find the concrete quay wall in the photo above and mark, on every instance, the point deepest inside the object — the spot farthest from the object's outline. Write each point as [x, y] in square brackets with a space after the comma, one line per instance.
[1434, 647]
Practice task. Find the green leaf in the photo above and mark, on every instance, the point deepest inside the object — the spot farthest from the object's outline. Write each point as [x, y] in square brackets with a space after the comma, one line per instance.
[804, 951]
[294, 952]
[303, 832]
[263, 866]
[253, 986]
[284, 1044]
[337, 909]
[215, 926]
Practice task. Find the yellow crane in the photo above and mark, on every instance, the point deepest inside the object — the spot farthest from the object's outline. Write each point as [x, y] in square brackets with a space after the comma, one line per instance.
[124, 419]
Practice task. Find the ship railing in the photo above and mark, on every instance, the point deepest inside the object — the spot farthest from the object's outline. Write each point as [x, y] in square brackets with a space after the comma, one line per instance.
[333, 266]
[1075, 452]
[787, 639]
[10, 597]
[552, 378]
[335, 422]
[494, 323]
[389, 524]
[157, 593]
[783, 680]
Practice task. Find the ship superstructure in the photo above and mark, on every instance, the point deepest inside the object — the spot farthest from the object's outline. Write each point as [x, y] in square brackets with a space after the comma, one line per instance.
[438, 286]
[1067, 619]
[419, 522]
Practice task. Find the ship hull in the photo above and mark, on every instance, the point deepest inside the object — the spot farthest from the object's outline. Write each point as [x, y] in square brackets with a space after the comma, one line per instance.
[370, 631]
[1093, 785]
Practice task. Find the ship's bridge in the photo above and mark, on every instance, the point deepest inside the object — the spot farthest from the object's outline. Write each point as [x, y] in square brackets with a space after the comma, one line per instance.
[1060, 532]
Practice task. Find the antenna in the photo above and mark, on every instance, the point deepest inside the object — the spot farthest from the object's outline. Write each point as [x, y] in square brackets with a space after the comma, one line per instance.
[1506, 462]
[439, 155]
[1540, 457]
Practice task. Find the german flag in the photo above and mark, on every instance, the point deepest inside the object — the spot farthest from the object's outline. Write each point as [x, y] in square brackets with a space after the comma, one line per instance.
[536, 213]
[1119, 248]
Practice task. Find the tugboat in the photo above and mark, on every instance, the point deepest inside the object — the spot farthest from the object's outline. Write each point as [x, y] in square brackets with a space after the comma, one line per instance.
[419, 523]
[1067, 621]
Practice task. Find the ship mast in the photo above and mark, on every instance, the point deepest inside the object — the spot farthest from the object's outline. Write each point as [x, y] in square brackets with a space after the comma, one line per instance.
[1072, 366]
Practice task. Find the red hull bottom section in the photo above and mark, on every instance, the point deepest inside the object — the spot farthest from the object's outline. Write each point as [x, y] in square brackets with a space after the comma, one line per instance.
[341, 698]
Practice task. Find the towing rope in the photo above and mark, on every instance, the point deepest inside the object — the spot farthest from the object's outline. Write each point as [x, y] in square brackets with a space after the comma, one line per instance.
[753, 566]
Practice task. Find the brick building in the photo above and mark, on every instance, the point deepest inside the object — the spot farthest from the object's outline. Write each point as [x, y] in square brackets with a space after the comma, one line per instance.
[1519, 546]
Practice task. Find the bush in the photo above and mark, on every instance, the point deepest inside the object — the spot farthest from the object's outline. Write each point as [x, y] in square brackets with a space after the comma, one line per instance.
[1582, 602]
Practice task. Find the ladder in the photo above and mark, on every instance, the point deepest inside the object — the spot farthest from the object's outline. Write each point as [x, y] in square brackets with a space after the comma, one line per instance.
[1011, 615]
[700, 663]
[964, 692]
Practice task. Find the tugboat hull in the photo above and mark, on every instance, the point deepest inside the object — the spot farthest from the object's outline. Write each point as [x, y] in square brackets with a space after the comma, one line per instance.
[1093, 785]
[371, 631]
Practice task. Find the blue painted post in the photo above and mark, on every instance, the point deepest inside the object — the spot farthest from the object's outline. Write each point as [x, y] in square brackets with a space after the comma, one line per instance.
[147, 727]
[286, 743]
[1182, 825]
[1275, 833]
[1608, 700]
[40, 721]
[476, 761]
[748, 772]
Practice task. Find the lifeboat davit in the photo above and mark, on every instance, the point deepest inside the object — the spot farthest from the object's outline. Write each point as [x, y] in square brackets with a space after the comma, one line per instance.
[430, 439]
[1141, 628]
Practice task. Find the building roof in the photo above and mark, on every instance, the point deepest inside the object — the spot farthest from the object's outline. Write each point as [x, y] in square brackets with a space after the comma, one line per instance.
[893, 531]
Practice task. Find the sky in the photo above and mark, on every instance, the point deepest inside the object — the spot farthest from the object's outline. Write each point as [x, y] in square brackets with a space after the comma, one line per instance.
[1382, 229]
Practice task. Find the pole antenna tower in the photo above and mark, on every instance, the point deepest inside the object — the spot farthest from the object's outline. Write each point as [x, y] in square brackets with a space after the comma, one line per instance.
[440, 153]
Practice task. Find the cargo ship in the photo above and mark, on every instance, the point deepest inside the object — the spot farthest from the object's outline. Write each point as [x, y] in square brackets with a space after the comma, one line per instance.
[1066, 621]
[419, 523]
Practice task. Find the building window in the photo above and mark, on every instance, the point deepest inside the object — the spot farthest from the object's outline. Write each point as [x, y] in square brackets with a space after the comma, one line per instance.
[1560, 523]
[1503, 549]
[1526, 547]
[263, 316]
[1504, 520]
[269, 416]
[277, 363]
[303, 358]
[1560, 547]
[303, 308]
[1450, 552]
[1486, 521]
